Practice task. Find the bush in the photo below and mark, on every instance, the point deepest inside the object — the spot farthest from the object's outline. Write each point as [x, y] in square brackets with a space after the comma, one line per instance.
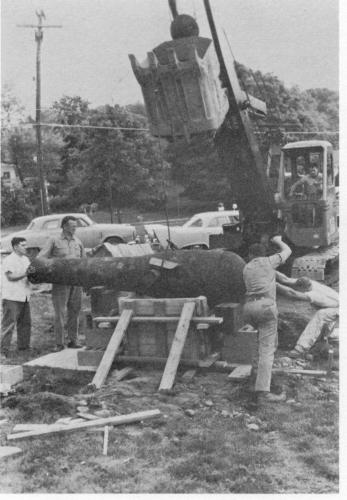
[16, 207]
[61, 203]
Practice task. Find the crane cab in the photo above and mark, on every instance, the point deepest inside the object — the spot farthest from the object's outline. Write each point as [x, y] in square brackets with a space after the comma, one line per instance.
[307, 193]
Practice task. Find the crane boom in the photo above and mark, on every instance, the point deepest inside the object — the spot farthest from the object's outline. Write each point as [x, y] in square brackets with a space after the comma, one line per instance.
[236, 141]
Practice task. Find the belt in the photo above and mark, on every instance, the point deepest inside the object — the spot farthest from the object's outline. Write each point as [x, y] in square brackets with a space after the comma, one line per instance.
[252, 298]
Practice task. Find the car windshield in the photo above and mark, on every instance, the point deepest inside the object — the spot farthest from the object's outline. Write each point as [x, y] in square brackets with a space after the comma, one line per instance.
[194, 222]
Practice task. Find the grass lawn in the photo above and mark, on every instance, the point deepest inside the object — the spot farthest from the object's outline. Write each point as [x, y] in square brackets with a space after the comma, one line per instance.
[219, 446]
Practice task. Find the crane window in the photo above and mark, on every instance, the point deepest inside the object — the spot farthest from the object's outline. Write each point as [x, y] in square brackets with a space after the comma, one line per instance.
[303, 177]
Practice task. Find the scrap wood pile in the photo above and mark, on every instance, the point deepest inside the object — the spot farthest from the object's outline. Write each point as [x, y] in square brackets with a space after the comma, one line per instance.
[85, 422]
[84, 413]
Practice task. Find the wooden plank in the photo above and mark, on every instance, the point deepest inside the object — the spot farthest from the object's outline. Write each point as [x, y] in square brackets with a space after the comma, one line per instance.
[118, 420]
[173, 306]
[112, 348]
[29, 427]
[177, 347]
[241, 372]
[93, 358]
[7, 451]
[208, 320]
[295, 371]
[120, 374]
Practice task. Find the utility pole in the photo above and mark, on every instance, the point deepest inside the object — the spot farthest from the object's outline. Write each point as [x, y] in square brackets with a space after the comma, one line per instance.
[38, 39]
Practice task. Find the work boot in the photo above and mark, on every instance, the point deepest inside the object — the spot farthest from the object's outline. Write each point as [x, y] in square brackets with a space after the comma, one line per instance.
[73, 345]
[295, 353]
[269, 397]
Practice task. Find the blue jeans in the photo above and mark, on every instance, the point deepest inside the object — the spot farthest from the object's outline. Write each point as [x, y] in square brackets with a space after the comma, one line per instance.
[262, 314]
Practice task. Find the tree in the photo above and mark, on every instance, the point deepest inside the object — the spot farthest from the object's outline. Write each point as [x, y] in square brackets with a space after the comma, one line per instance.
[119, 163]
[12, 112]
[99, 163]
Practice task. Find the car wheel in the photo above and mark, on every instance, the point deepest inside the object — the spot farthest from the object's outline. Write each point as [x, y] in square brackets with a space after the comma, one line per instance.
[114, 240]
[32, 253]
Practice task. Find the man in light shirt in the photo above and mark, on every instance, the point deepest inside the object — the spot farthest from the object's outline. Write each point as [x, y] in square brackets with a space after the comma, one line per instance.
[66, 299]
[324, 298]
[260, 310]
[15, 298]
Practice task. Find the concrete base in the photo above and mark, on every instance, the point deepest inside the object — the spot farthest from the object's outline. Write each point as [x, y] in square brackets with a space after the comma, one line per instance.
[89, 357]
[11, 374]
[65, 359]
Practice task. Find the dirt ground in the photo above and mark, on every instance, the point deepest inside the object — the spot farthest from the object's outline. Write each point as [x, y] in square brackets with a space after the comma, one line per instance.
[208, 439]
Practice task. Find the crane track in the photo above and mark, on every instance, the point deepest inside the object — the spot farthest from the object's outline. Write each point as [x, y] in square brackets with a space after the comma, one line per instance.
[320, 265]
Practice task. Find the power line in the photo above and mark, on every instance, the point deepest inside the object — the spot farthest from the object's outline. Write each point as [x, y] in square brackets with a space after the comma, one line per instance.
[61, 125]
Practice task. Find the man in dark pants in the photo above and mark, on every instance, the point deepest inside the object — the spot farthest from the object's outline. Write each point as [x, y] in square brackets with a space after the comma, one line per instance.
[16, 296]
[260, 310]
[65, 298]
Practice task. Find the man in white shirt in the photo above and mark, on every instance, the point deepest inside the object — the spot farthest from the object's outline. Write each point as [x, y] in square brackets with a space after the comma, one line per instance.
[324, 298]
[15, 298]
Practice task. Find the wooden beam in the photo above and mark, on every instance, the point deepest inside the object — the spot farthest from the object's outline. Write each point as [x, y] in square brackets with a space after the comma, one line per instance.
[56, 429]
[295, 371]
[241, 372]
[220, 366]
[112, 348]
[29, 427]
[120, 374]
[179, 339]
[209, 320]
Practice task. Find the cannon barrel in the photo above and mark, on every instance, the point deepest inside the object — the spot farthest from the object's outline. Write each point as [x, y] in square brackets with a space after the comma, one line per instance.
[217, 274]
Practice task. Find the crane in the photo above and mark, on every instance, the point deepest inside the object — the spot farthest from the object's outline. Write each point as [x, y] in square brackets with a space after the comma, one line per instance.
[190, 86]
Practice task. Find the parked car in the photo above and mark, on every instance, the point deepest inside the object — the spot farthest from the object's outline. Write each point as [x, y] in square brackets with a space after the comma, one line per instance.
[195, 233]
[89, 232]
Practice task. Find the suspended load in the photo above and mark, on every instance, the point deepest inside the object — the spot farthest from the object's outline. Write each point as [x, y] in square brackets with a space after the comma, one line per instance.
[180, 83]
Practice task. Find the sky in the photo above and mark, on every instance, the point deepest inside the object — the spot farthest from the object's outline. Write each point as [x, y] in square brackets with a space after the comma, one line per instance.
[296, 40]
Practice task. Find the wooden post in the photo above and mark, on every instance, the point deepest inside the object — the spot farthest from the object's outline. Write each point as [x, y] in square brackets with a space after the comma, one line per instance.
[173, 360]
[112, 348]
[106, 431]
